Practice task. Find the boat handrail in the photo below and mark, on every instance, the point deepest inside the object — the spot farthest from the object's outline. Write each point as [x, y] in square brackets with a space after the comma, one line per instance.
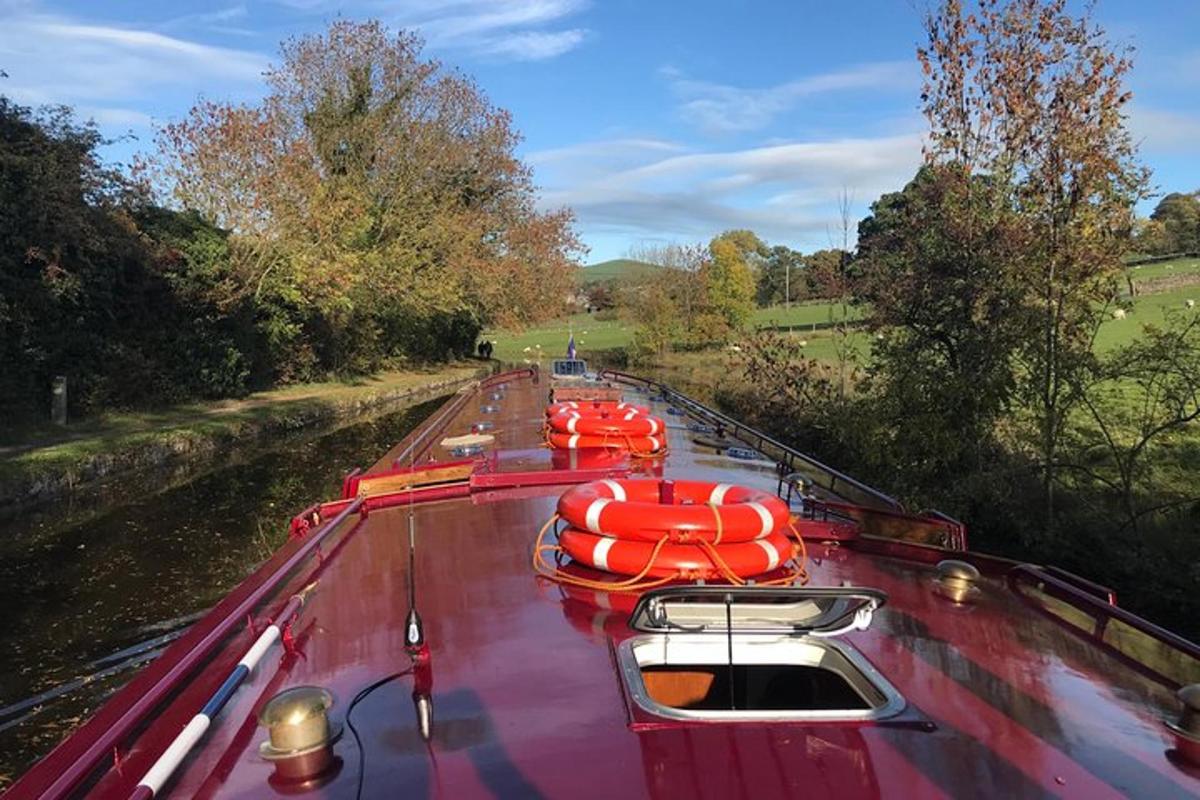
[1101, 614]
[60, 773]
[424, 435]
[836, 481]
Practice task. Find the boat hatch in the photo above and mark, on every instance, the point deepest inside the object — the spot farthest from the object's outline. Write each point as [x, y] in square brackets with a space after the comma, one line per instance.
[712, 609]
[712, 653]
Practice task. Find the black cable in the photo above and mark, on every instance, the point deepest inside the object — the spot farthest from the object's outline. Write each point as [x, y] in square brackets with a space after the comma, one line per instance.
[362, 756]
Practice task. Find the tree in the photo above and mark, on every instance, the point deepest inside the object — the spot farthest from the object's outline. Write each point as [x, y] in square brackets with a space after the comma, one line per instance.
[827, 273]
[1032, 99]
[943, 297]
[1135, 398]
[783, 277]
[1179, 215]
[376, 192]
[98, 286]
[730, 276]
[654, 309]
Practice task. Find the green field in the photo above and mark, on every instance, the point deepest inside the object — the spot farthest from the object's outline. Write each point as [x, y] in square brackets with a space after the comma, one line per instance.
[1150, 309]
[617, 268]
[1164, 269]
[549, 341]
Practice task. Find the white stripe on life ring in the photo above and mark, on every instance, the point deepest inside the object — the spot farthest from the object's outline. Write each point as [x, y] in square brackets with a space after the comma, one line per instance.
[718, 493]
[573, 442]
[654, 444]
[768, 522]
[572, 404]
[618, 491]
[772, 554]
[653, 426]
[600, 552]
[571, 423]
[622, 405]
[630, 415]
[592, 518]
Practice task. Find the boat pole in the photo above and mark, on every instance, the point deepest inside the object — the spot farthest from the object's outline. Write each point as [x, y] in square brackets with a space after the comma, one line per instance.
[173, 756]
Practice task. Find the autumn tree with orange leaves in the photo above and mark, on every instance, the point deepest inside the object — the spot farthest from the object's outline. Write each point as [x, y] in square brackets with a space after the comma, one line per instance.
[1032, 99]
[378, 189]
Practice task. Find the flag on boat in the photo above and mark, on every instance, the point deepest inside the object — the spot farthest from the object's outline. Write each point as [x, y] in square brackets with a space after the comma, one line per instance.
[571, 348]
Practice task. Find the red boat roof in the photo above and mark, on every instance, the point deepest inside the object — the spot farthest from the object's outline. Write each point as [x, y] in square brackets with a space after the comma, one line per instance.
[1020, 693]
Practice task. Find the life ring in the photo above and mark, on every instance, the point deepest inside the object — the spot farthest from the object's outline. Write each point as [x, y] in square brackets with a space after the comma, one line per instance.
[595, 408]
[627, 557]
[632, 509]
[642, 445]
[631, 424]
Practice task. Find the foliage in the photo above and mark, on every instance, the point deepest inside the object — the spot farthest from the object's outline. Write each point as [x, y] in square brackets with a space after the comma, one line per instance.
[369, 211]
[1174, 226]
[375, 200]
[1031, 99]
[99, 287]
[784, 277]
[729, 277]
[944, 293]
[1135, 398]
[655, 311]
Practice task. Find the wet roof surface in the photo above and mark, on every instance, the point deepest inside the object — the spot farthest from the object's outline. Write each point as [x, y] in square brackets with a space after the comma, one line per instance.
[528, 701]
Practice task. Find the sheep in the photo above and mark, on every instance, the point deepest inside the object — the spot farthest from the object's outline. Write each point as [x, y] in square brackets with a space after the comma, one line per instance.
[1118, 313]
[803, 342]
[1189, 303]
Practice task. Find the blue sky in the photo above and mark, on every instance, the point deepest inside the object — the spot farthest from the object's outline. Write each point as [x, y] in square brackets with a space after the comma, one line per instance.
[656, 120]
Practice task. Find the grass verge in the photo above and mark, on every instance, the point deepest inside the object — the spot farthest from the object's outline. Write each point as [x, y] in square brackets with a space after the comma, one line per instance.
[45, 462]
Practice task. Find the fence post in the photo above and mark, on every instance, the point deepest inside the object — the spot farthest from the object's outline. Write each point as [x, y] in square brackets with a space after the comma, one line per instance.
[58, 400]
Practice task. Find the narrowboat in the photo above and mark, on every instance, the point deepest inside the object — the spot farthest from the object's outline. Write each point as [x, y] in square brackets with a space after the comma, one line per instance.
[568, 584]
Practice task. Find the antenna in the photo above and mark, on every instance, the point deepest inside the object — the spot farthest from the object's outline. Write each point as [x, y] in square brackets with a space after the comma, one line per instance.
[414, 629]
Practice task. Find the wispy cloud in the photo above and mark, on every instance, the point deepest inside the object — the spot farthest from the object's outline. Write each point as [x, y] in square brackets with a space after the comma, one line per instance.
[501, 30]
[511, 30]
[533, 45]
[1160, 131]
[721, 108]
[107, 69]
[218, 21]
[786, 192]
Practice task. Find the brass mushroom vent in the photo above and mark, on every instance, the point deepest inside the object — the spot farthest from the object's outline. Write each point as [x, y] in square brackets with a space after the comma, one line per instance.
[301, 735]
[956, 581]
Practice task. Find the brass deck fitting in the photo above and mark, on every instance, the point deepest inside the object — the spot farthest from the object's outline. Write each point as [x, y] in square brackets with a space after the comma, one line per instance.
[956, 580]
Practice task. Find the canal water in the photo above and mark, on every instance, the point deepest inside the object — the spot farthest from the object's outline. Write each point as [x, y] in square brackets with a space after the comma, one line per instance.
[83, 602]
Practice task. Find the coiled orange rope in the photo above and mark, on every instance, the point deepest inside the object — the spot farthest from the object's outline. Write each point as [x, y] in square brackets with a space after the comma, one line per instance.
[637, 583]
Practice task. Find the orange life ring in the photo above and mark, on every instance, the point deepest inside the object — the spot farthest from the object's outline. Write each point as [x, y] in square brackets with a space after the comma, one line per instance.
[626, 557]
[593, 408]
[631, 424]
[631, 509]
[642, 445]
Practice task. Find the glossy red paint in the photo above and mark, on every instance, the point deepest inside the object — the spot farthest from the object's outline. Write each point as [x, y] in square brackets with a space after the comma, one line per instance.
[1003, 701]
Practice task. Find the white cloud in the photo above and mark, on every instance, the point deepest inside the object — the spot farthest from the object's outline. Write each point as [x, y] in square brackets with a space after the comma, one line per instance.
[720, 108]
[107, 71]
[508, 30]
[785, 192]
[467, 18]
[533, 45]
[1160, 131]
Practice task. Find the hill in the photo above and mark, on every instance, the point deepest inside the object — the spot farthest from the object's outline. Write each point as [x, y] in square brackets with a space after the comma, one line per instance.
[616, 268]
